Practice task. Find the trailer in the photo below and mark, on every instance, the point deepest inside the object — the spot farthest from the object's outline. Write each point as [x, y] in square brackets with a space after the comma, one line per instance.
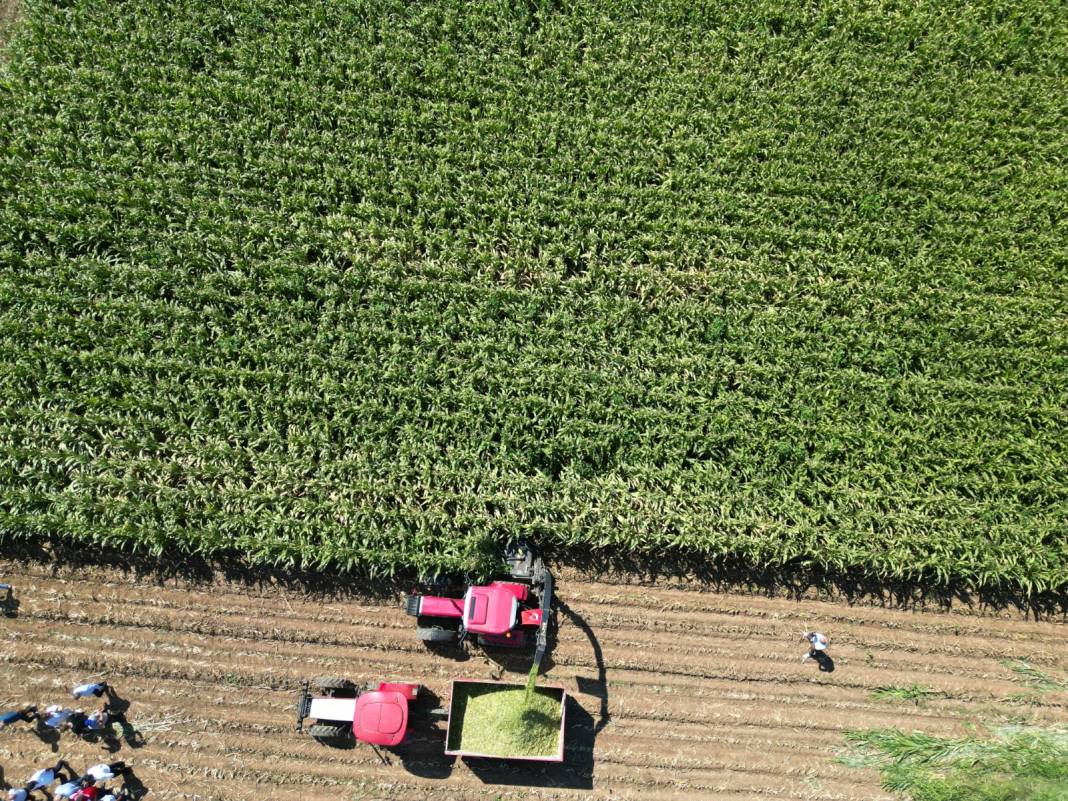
[485, 719]
[533, 737]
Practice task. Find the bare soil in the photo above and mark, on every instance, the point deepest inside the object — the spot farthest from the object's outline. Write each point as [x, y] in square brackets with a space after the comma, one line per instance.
[679, 692]
[9, 10]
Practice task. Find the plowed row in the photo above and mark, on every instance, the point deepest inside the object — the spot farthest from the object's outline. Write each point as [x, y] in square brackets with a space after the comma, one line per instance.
[679, 692]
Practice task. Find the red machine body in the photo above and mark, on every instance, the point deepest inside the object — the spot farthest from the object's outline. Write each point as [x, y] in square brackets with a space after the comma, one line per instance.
[378, 715]
[381, 716]
[501, 613]
[491, 611]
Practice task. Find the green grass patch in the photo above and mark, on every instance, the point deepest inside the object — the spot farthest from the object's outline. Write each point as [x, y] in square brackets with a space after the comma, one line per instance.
[505, 721]
[374, 284]
[1035, 677]
[913, 692]
[1015, 763]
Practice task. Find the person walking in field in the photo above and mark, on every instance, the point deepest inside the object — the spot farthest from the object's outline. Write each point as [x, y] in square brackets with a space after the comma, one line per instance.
[45, 777]
[104, 772]
[817, 644]
[93, 723]
[88, 792]
[96, 689]
[67, 789]
[25, 713]
[57, 716]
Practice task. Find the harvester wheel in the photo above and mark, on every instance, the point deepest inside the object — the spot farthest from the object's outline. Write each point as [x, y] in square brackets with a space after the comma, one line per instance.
[330, 731]
[435, 634]
[537, 574]
[328, 685]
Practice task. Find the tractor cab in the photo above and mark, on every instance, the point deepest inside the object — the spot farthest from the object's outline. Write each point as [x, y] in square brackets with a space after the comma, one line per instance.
[378, 716]
[381, 717]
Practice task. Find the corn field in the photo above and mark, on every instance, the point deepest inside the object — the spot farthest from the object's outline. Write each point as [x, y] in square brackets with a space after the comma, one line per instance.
[380, 285]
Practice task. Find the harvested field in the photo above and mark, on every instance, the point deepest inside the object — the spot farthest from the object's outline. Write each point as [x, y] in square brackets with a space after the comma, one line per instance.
[679, 693]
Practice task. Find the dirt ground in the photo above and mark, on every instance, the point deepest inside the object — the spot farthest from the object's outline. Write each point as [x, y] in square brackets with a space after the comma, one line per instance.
[678, 692]
[9, 9]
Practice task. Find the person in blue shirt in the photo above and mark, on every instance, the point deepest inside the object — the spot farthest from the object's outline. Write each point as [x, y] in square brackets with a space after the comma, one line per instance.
[25, 713]
[94, 723]
[97, 721]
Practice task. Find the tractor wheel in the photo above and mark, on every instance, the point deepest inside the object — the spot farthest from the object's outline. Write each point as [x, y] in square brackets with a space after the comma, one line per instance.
[330, 731]
[537, 573]
[435, 634]
[331, 685]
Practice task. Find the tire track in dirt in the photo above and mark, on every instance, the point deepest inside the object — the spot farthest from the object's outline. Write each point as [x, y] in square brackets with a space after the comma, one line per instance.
[703, 694]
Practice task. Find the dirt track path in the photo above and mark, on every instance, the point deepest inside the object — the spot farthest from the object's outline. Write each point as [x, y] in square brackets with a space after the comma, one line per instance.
[680, 693]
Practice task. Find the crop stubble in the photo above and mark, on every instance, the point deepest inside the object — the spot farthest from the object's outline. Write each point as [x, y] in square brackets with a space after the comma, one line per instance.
[706, 695]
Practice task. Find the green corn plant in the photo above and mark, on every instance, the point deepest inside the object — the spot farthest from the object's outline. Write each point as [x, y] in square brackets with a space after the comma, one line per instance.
[351, 285]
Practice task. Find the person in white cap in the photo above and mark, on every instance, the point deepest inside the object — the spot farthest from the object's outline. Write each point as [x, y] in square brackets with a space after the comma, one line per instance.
[817, 644]
[17, 794]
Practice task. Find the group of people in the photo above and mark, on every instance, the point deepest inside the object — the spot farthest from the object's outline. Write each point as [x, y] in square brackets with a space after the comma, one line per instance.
[61, 718]
[88, 786]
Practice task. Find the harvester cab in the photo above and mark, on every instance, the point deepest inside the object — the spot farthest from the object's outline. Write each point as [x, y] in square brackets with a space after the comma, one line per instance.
[502, 613]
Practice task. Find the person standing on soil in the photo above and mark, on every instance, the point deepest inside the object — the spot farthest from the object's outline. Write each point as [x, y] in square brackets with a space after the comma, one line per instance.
[94, 723]
[88, 792]
[57, 716]
[85, 690]
[25, 713]
[45, 777]
[817, 644]
[104, 772]
[67, 789]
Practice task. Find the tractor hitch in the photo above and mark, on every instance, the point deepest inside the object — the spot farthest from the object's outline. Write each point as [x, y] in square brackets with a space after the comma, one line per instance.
[303, 705]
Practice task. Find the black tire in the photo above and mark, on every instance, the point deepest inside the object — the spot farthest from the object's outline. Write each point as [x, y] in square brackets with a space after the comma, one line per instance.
[331, 731]
[328, 685]
[435, 634]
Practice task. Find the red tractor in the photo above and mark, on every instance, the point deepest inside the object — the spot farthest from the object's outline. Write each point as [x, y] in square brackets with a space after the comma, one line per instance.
[378, 716]
[501, 613]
